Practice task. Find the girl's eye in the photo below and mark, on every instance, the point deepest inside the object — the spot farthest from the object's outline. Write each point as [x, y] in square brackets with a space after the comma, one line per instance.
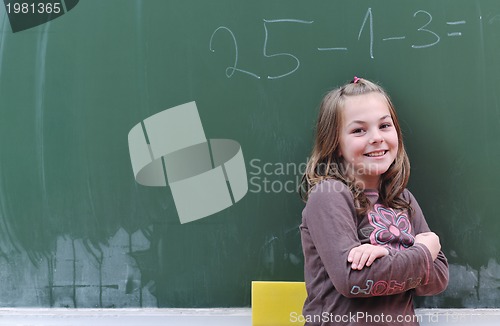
[357, 131]
[385, 125]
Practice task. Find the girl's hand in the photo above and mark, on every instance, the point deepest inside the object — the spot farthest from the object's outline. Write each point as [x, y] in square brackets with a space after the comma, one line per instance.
[365, 255]
[431, 241]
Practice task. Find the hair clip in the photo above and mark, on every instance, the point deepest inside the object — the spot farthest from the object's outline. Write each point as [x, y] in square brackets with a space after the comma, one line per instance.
[355, 80]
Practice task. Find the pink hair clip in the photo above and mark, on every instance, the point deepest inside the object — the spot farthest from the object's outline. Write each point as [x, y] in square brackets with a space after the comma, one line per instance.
[356, 79]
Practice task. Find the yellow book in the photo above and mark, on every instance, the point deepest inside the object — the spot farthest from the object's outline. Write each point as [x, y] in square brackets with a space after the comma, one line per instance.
[278, 303]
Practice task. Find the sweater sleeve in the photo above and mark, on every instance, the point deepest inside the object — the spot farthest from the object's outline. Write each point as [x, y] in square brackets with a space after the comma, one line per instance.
[330, 220]
[438, 274]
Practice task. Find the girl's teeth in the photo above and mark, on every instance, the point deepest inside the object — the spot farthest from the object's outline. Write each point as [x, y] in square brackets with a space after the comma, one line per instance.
[376, 154]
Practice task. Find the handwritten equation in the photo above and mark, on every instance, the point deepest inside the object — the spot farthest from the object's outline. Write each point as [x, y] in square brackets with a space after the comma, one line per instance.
[366, 27]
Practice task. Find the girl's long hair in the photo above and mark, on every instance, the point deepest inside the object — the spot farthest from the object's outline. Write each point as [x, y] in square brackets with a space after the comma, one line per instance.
[326, 163]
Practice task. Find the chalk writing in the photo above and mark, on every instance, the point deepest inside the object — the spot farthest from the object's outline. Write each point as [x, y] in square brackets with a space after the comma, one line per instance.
[370, 16]
[426, 28]
[281, 54]
[394, 38]
[454, 23]
[231, 69]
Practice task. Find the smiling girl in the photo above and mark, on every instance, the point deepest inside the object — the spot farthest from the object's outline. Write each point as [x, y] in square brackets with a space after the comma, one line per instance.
[367, 247]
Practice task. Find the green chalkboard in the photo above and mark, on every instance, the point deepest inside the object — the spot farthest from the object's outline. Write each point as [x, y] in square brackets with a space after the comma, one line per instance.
[78, 230]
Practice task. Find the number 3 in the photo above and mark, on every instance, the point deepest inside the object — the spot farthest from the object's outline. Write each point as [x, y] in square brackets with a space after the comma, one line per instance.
[423, 29]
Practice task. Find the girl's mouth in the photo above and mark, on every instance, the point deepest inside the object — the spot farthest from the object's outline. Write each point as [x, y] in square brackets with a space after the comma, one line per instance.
[376, 154]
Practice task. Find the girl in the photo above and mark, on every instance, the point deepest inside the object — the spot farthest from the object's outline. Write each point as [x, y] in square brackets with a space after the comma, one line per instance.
[367, 247]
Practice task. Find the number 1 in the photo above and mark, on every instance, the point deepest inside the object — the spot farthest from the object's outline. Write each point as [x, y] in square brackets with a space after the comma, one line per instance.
[368, 15]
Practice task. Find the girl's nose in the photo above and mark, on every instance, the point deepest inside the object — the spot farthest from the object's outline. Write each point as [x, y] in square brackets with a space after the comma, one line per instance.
[376, 137]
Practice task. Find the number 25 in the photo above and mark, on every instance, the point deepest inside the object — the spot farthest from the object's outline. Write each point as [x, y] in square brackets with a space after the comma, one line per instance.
[232, 69]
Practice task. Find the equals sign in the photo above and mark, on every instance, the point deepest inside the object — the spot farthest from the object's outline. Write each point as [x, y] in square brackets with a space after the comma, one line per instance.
[459, 22]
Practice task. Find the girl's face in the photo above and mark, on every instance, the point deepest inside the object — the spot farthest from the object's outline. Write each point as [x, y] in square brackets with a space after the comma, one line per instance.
[368, 139]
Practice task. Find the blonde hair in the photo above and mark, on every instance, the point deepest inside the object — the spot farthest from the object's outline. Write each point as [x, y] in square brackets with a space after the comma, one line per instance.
[325, 161]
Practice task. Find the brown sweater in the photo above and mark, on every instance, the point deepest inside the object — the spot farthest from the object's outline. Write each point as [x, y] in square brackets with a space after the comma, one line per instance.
[378, 295]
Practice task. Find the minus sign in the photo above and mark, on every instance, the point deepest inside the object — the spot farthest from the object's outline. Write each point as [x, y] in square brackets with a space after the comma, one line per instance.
[455, 34]
[332, 49]
[461, 22]
[394, 38]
